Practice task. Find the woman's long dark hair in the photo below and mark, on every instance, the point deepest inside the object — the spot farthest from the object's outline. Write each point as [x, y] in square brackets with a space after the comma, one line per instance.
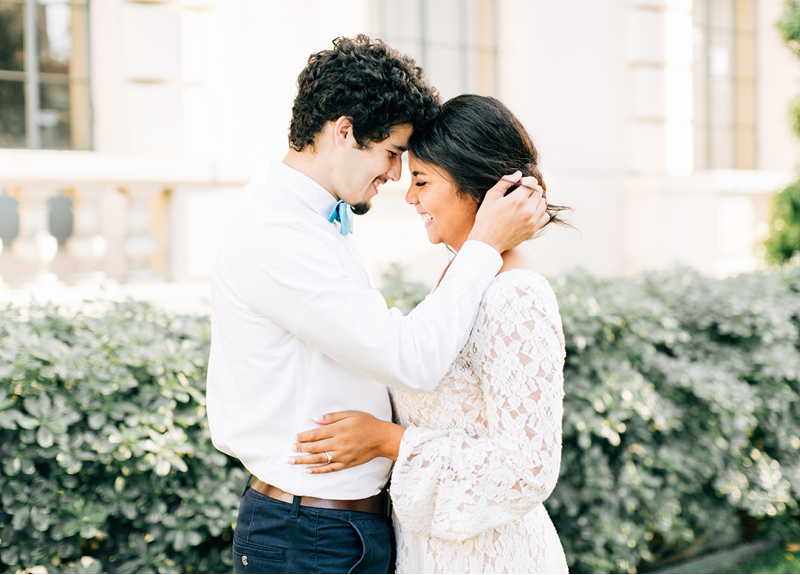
[476, 140]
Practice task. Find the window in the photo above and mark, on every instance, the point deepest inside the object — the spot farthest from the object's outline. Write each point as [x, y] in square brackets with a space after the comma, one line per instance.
[724, 83]
[454, 40]
[44, 74]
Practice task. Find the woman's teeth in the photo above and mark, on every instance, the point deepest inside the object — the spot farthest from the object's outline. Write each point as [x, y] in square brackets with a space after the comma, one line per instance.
[425, 218]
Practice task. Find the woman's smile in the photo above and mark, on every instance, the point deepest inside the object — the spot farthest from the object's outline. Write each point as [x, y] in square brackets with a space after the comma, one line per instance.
[447, 214]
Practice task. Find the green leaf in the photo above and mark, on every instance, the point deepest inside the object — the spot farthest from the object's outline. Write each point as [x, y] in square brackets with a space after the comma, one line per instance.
[5, 401]
[162, 466]
[180, 541]
[132, 566]
[97, 420]
[193, 538]
[44, 437]
[8, 418]
[10, 556]
[128, 510]
[12, 467]
[21, 517]
[26, 422]
[38, 408]
[40, 519]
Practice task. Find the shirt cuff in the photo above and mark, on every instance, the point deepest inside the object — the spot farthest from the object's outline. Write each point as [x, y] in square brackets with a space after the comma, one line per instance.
[478, 256]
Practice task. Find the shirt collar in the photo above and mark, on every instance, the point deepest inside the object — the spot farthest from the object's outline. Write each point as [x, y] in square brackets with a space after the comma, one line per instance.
[312, 194]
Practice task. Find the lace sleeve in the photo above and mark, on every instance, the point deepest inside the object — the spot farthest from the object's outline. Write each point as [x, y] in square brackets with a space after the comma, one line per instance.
[451, 485]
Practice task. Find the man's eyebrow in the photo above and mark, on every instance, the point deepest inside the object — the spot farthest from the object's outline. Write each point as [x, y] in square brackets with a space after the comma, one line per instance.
[401, 149]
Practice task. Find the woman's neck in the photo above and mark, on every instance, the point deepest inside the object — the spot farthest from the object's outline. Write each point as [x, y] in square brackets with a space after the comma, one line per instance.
[517, 259]
[514, 259]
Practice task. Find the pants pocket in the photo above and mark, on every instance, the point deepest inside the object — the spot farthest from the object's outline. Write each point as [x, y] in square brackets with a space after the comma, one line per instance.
[248, 558]
[376, 543]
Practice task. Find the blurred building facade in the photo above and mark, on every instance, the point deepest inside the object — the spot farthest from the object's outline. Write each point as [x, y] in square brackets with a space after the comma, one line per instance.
[132, 131]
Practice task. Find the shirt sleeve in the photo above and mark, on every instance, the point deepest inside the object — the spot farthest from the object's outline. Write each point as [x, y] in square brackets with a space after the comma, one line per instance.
[292, 275]
[453, 485]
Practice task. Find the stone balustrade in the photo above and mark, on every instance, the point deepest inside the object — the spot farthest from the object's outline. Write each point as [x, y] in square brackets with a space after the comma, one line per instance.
[29, 261]
[120, 215]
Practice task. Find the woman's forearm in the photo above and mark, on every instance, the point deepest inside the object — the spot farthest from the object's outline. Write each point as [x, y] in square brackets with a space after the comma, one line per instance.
[391, 436]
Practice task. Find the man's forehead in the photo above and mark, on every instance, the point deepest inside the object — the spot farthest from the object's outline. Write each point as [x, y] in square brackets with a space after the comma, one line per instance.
[399, 136]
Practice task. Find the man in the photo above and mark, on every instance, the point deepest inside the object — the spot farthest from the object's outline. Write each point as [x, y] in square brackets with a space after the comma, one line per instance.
[298, 329]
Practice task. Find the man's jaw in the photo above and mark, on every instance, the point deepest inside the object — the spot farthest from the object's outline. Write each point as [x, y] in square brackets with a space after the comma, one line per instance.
[362, 208]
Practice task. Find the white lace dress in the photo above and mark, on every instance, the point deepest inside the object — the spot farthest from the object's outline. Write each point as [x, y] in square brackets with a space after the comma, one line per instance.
[483, 450]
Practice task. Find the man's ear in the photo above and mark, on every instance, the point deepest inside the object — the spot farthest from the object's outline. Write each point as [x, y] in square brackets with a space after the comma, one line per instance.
[342, 131]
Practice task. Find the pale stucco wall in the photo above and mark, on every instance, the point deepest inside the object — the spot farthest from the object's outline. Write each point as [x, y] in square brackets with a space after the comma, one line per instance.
[603, 87]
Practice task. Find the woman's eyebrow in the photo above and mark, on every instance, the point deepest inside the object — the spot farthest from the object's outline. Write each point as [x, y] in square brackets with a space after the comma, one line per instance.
[417, 173]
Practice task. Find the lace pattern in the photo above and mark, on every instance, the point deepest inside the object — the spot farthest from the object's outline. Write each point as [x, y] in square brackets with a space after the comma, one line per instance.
[483, 451]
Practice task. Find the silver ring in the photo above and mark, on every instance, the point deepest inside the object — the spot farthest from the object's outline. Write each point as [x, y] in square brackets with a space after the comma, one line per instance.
[329, 456]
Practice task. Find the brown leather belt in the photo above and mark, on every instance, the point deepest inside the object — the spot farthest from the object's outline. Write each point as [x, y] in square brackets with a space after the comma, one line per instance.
[372, 504]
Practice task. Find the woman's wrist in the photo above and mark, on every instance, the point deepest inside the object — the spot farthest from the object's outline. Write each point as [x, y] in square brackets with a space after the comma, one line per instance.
[392, 435]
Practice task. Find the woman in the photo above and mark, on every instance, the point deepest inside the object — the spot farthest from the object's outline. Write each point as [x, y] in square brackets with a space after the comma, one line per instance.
[476, 457]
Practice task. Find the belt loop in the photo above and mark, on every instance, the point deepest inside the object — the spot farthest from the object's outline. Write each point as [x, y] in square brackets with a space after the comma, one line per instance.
[295, 507]
[247, 485]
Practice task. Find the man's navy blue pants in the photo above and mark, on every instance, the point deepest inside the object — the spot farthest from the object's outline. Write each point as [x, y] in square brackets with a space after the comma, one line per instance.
[276, 537]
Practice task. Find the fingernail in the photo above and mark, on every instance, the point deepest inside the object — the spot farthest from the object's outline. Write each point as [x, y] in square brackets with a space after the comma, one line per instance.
[316, 418]
[291, 460]
[308, 470]
[295, 447]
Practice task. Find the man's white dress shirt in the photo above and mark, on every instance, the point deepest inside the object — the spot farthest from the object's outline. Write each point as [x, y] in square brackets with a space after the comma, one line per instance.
[299, 330]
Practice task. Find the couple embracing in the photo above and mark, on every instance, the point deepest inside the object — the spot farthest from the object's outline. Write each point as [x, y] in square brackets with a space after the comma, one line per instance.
[307, 363]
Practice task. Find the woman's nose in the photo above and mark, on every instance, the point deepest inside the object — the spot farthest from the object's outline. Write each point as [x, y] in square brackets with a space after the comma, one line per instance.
[411, 196]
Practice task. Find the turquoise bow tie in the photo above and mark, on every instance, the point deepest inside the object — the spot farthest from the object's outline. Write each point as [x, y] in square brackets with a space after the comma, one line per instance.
[343, 214]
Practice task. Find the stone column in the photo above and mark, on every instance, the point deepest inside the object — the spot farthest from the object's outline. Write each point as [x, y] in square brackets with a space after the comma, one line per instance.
[660, 59]
[661, 136]
[35, 247]
[86, 247]
[140, 246]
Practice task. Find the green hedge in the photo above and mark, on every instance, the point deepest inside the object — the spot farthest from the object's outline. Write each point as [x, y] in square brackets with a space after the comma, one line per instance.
[682, 425]
[783, 240]
[104, 445]
[682, 413]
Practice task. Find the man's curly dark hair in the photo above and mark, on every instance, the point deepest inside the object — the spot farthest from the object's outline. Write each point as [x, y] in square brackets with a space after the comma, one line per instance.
[372, 84]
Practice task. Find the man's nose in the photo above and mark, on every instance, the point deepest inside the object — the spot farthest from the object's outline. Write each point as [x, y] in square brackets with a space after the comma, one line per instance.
[396, 169]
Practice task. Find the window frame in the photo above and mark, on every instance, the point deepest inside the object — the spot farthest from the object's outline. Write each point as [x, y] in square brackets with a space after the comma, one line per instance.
[476, 45]
[741, 76]
[77, 79]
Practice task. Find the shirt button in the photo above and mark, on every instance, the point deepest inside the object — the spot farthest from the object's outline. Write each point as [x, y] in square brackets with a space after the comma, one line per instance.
[244, 560]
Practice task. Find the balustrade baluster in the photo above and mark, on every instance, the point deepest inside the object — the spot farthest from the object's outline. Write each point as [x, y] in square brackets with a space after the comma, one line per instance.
[86, 247]
[140, 246]
[35, 247]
